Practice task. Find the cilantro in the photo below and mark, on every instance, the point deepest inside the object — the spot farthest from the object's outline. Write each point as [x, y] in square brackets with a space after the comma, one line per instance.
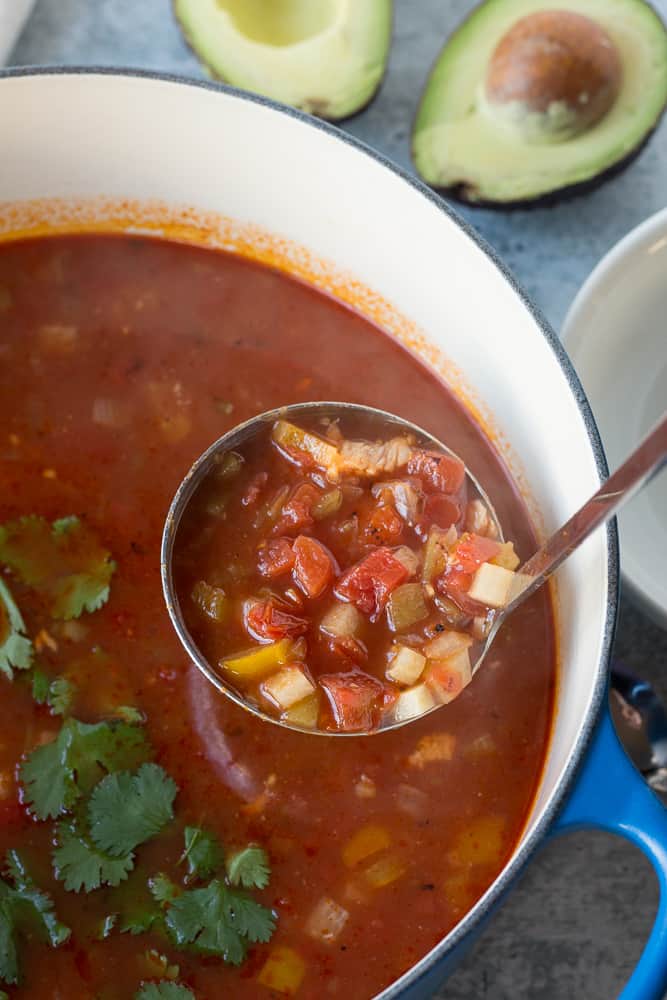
[128, 713]
[163, 890]
[164, 990]
[56, 774]
[126, 809]
[15, 647]
[58, 694]
[41, 684]
[249, 868]
[202, 852]
[107, 926]
[61, 695]
[219, 921]
[138, 922]
[80, 865]
[22, 904]
[64, 562]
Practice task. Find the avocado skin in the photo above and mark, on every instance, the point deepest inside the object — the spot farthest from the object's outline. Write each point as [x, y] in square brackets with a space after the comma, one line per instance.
[568, 192]
[220, 79]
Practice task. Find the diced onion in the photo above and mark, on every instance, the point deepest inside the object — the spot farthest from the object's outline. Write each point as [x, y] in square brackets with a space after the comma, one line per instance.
[413, 702]
[412, 801]
[341, 621]
[109, 413]
[446, 644]
[438, 545]
[211, 600]
[328, 504]
[409, 558]
[365, 788]
[491, 585]
[288, 686]
[406, 606]
[326, 920]
[406, 665]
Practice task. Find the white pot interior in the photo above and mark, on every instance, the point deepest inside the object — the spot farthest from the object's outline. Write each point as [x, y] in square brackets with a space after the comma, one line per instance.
[81, 137]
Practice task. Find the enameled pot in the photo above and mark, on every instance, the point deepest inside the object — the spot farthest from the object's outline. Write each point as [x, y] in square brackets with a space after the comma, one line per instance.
[121, 150]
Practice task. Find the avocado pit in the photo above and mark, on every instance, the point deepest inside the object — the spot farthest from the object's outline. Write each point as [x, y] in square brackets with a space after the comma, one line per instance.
[553, 75]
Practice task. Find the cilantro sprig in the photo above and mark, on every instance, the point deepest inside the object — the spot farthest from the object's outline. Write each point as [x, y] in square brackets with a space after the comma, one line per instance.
[249, 868]
[15, 646]
[64, 562]
[24, 908]
[164, 990]
[58, 693]
[219, 920]
[57, 774]
[202, 852]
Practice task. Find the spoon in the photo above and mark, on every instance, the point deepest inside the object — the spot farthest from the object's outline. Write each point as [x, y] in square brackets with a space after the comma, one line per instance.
[645, 462]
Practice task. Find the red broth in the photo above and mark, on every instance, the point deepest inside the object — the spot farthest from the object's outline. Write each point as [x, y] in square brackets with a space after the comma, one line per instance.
[121, 359]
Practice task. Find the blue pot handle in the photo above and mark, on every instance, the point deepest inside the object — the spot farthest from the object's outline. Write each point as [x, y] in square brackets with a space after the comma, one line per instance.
[611, 794]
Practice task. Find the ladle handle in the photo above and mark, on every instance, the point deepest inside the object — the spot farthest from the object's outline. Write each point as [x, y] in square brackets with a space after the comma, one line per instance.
[637, 470]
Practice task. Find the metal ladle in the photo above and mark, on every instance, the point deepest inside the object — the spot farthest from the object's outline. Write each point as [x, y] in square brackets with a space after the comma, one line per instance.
[638, 469]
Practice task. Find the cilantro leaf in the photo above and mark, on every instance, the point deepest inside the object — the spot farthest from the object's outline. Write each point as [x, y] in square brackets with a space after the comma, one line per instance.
[249, 868]
[138, 922]
[164, 990]
[162, 889]
[202, 852]
[61, 695]
[128, 713]
[29, 900]
[126, 809]
[56, 774]
[9, 962]
[15, 647]
[23, 905]
[218, 921]
[41, 685]
[80, 865]
[64, 562]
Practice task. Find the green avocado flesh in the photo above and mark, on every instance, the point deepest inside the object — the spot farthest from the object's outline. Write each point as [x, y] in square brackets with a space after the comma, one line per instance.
[460, 145]
[326, 57]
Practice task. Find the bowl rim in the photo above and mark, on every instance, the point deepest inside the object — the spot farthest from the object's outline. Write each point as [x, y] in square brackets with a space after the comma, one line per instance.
[427, 965]
[611, 265]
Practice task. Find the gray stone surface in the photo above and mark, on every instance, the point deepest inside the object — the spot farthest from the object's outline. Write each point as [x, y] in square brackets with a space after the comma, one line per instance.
[576, 923]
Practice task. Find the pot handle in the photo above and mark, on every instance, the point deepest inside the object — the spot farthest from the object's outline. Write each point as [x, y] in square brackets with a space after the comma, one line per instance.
[610, 794]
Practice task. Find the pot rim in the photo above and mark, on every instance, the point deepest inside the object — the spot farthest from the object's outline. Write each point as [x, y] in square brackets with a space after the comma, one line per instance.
[518, 861]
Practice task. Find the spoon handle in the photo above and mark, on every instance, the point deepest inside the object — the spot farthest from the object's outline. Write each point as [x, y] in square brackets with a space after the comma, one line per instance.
[637, 470]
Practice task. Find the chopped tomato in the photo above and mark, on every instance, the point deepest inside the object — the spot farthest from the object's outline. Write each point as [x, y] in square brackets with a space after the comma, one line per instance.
[369, 584]
[314, 566]
[297, 512]
[347, 647]
[384, 526]
[441, 510]
[273, 620]
[275, 557]
[254, 488]
[355, 698]
[472, 550]
[440, 473]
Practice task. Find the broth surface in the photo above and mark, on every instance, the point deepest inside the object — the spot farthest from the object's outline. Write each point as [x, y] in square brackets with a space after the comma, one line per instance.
[121, 360]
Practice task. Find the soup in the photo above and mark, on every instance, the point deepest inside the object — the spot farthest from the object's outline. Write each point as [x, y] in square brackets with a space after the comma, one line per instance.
[170, 828]
[364, 571]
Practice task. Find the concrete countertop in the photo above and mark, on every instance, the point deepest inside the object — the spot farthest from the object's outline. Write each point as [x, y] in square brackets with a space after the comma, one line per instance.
[576, 924]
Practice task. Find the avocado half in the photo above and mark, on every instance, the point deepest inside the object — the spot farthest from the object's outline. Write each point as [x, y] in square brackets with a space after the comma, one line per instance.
[326, 57]
[531, 101]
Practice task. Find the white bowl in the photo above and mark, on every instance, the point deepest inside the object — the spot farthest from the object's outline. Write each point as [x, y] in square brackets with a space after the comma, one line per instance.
[616, 335]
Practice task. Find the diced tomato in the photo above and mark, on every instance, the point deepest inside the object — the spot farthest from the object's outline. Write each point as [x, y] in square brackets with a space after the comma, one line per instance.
[444, 680]
[273, 620]
[369, 584]
[297, 512]
[314, 566]
[440, 473]
[275, 557]
[254, 488]
[356, 700]
[384, 526]
[472, 550]
[454, 583]
[440, 510]
[349, 648]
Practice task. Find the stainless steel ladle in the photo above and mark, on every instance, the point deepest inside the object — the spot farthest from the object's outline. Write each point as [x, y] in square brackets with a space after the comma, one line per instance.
[644, 463]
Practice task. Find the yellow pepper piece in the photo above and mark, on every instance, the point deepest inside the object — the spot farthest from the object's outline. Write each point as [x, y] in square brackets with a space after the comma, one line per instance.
[481, 843]
[369, 840]
[283, 971]
[259, 661]
[384, 871]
